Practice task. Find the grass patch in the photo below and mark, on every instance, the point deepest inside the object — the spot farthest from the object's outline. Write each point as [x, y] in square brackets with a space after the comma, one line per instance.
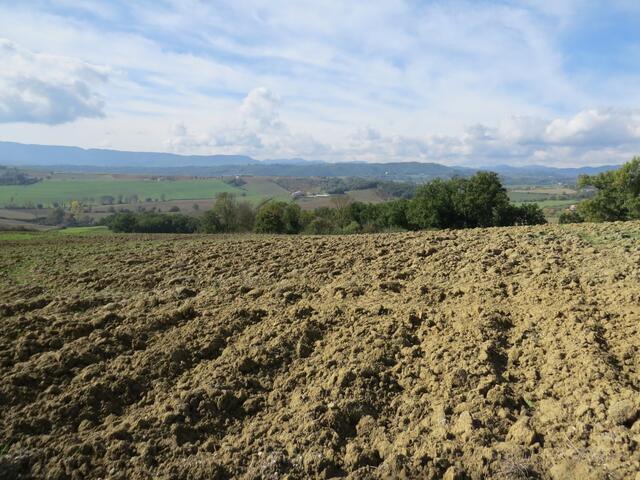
[589, 238]
[99, 230]
[10, 236]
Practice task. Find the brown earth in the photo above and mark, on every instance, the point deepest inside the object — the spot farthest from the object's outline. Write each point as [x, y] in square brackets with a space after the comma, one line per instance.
[501, 353]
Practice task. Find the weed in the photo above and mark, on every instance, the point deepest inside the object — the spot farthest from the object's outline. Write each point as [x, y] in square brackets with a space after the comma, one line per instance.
[517, 467]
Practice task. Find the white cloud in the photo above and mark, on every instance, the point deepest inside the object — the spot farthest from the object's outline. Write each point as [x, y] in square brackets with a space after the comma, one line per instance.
[260, 109]
[457, 82]
[589, 136]
[596, 127]
[595, 135]
[257, 131]
[49, 89]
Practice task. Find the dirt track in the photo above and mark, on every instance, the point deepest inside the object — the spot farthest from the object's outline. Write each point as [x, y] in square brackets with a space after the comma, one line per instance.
[503, 353]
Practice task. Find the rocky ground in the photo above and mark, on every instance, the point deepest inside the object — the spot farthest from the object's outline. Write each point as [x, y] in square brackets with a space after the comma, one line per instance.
[501, 353]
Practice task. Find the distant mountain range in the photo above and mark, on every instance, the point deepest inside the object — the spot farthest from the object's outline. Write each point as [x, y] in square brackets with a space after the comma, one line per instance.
[76, 159]
[21, 154]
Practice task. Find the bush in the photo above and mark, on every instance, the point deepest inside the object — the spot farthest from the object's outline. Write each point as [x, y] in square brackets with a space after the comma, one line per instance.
[210, 223]
[529, 214]
[353, 227]
[128, 222]
[320, 226]
[55, 217]
[569, 216]
[526, 214]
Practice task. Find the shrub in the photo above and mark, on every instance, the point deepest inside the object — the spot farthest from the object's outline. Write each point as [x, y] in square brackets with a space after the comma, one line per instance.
[569, 216]
[128, 222]
[353, 227]
[320, 226]
[55, 216]
[210, 223]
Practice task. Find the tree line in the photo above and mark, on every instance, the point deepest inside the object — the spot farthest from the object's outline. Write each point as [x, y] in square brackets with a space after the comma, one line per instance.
[478, 201]
[13, 176]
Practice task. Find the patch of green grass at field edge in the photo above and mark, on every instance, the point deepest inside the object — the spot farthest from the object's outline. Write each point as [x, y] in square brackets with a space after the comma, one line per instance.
[72, 231]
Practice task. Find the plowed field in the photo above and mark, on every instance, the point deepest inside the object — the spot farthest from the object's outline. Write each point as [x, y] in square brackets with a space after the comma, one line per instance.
[500, 353]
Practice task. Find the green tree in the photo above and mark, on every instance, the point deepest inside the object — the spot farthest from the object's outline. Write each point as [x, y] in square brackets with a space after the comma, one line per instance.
[210, 223]
[278, 217]
[480, 198]
[291, 216]
[617, 197]
[479, 201]
[55, 216]
[123, 222]
[225, 208]
[269, 218]
[245, 216]
[529, 214]
[233, 216]
[435, 205]
[76, 209]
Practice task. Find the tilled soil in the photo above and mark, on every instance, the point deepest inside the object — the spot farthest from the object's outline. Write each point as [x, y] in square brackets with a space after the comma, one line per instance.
[500, 353]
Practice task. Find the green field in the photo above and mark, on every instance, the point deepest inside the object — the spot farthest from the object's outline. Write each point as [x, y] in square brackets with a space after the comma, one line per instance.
[258, 189]
[90, 189]
[518, 196]
[74, 231]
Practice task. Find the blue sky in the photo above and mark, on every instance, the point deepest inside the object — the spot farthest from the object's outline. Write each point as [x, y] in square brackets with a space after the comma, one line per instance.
[456, 82]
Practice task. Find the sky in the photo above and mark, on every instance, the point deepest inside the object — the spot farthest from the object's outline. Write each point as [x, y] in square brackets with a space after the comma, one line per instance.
[457, 82]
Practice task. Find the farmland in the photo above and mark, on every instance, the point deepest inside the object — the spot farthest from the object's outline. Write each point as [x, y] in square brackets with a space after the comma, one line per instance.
[496, 353]
[91, 190]
[30, 207]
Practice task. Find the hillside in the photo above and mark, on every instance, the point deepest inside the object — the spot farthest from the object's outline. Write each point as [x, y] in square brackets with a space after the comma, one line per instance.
[497, 353]
[74, 159]
[12, 153]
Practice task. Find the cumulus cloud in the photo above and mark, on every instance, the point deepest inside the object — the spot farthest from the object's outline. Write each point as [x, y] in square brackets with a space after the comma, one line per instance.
[607, 134]
[260, 110]
[588, 137]
[48, 89]
[257, 130]
[596, 127]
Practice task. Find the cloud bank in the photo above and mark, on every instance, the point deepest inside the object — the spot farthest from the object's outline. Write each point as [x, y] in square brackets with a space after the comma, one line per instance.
[49, 89]
[588, 136]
